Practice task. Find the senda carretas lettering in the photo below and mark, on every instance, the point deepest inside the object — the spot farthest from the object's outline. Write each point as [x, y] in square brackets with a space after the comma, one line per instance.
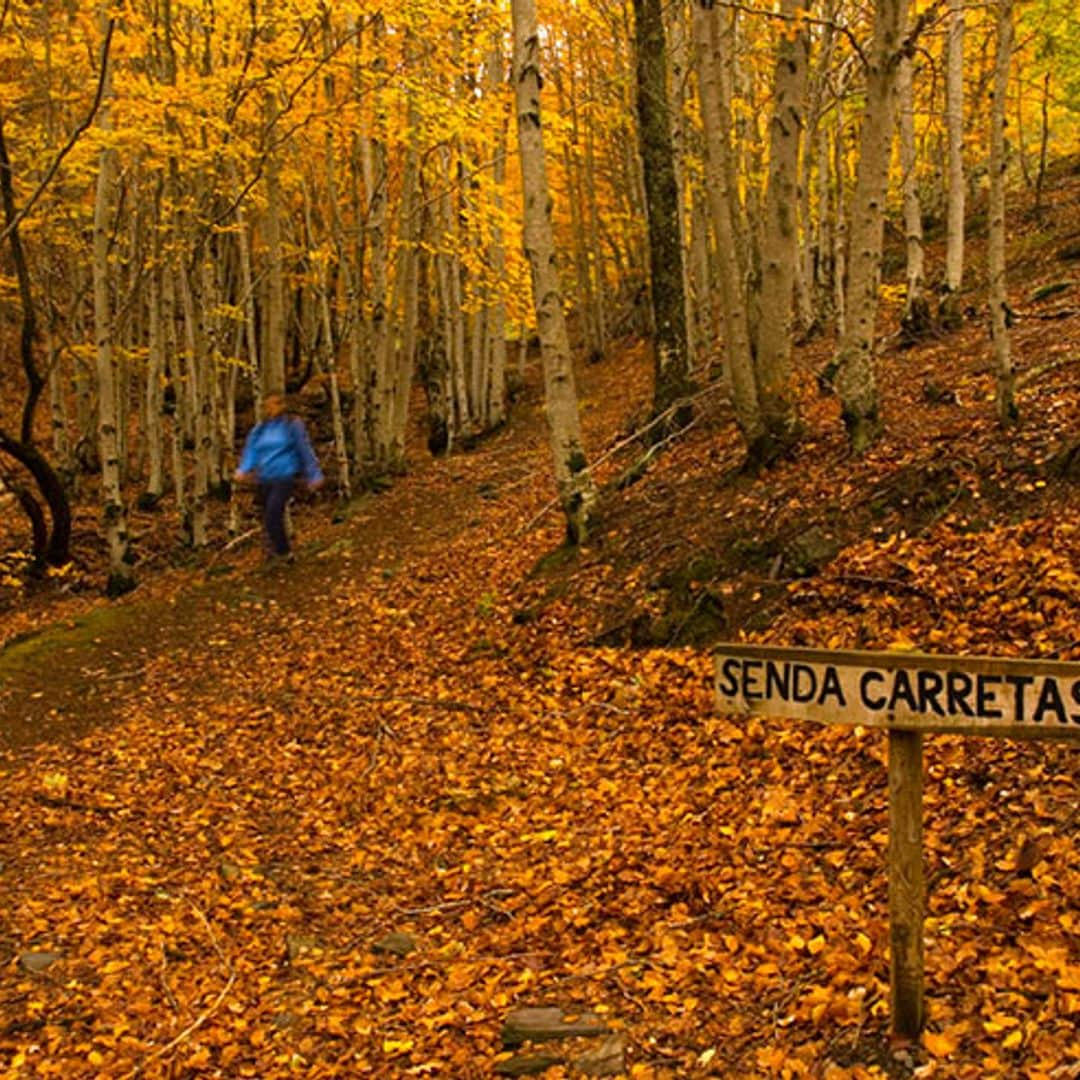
[1009, 698]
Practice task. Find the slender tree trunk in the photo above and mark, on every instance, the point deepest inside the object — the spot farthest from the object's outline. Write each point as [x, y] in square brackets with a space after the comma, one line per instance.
[814, 208]
[995, 243]
[198, 363]
[51, 544]
[780, 242]
[855, 379]
[915, 321]
[678, 62]
[495, 348]
[155, 380]
[405, 305]
[956, 187]
[598, 288]
[174, 403]
[273, 377]
[327, 348]
[671, 381]
[840, 215]
[577, 494]
[58, 420]
[121, 577]
[715, 116]
[1044, 140]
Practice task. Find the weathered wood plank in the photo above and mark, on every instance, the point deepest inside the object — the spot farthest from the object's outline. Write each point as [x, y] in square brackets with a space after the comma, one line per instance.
[541, 1023]
[961, 695]
[906, 887]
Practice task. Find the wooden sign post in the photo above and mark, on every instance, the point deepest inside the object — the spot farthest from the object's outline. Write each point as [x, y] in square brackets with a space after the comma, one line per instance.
[908, 694]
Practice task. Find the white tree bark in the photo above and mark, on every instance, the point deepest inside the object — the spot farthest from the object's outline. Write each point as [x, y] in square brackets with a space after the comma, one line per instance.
[715, 116]
[855, 379]
[916, 317]
[121, 576]
[954, 127]
[780, 242]
[495, 349]
[577, 494]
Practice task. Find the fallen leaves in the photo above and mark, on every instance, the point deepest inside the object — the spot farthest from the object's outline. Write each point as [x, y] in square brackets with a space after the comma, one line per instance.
[379, 754]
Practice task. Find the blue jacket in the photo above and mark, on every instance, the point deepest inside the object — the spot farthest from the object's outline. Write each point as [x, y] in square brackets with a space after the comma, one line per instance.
[279, 449]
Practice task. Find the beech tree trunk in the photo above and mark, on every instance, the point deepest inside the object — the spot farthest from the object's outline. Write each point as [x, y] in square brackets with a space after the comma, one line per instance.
[121, 577]
[855, 379]
[780, 243]
[954, 128]
[716, 119]
[995, 242]
[573, 477]
[671, 382]
[915, 321]
[272, 360]
[155, 376]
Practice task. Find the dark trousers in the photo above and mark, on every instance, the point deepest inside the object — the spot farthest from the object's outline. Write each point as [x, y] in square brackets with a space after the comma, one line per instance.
[274, 495]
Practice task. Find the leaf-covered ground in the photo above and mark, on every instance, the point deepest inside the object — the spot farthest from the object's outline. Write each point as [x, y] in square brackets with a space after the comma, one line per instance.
[221, 797]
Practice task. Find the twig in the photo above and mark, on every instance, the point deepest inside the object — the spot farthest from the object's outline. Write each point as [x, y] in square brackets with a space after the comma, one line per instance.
[116, 676]
[239, 539]
[450, 905]
[633, 437]
[206, 1014]
[231, 544]
[165, 982]
[1034, 373]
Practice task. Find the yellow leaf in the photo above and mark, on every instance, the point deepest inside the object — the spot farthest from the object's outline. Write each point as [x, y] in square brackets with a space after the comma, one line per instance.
[397, 1046]
[544, 834]
[1013, 1039]
[938, 1045]
[56, 784]
[816, 944]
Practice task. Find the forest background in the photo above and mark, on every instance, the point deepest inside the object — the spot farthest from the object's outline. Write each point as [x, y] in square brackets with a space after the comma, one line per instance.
[204, 204]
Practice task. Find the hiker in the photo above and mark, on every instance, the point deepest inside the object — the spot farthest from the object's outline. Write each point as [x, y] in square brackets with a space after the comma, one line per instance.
[276, 455]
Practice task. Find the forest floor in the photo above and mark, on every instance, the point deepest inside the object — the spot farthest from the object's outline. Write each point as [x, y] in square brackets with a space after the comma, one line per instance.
[342, 818]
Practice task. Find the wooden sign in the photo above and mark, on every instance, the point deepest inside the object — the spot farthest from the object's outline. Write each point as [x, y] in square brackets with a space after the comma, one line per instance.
[960, 695]
[907, 694]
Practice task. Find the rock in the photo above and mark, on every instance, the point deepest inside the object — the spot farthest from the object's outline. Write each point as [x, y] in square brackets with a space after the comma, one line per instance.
[395, 944]
[527, 1064]
[540, 1024]
[607, 1058]
[38, 961]
[810, 551]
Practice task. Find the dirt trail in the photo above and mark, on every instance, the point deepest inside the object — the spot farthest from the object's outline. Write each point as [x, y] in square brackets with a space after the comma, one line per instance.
[63, 680]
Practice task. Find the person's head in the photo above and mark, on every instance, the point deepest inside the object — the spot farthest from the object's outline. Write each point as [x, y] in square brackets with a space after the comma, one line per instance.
[273, 405]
